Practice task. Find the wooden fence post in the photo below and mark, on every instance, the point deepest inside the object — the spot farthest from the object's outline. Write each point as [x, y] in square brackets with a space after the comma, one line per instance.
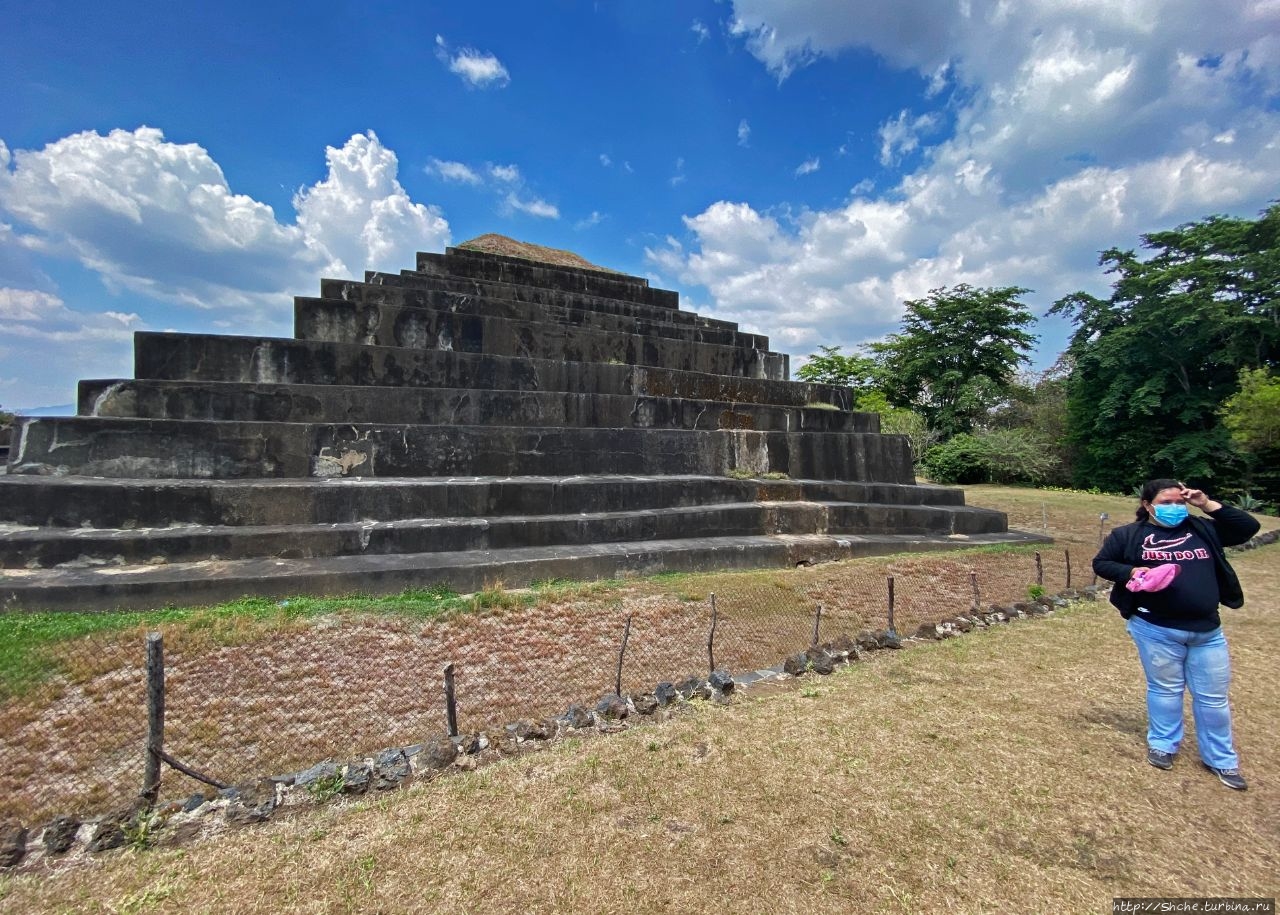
[817, 625]
[155, 717]
[892, 627]
[450, 701]
[977, 595]
[711, 638]
[626, 634]
[1039, 570]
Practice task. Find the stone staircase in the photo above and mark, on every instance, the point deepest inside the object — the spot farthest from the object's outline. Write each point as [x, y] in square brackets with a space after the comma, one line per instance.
[479, 419]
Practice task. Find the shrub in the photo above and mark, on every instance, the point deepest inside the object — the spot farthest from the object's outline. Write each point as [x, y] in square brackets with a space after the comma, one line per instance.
[999, 456]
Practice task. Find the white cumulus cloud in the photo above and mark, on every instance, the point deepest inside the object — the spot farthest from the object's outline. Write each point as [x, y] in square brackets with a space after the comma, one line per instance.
[1044, 132]
[744, 133]
[158, 220]
[476, 68]
[508, 174]
[808, 166]
[456, 172]
[533, 206]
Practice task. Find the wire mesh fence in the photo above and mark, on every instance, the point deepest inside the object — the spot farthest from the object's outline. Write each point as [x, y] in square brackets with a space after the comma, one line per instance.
[245, 700]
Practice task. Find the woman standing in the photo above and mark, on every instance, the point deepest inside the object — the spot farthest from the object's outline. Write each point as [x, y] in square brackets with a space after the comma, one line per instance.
[1171, 574]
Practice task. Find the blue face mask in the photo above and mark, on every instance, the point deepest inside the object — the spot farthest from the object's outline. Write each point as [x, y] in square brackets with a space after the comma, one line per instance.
[1170, 515]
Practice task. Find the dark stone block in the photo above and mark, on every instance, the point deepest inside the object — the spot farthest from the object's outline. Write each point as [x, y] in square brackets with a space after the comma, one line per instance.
[13, 843]
[644, 703]
[106, 835]
[478, 418]
[253, 803]
[612, 707]
[665, 693]
[577, 717]
[721, 681]
[357, 777]
[59, 834]
[437, 754]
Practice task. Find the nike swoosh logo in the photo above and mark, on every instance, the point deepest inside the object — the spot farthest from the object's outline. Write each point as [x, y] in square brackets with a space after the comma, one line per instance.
[1155, 543]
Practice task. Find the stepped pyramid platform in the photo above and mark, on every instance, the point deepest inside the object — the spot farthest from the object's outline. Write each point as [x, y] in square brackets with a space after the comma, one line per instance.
[481, 418]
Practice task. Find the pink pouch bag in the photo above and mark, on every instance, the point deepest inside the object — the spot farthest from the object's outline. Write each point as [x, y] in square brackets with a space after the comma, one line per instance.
[1155, 579]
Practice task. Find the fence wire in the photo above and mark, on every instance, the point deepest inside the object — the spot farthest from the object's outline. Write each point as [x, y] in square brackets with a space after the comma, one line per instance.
[244, 702]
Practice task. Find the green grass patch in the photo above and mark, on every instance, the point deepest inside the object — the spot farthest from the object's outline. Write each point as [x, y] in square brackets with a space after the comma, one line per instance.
[30, 642]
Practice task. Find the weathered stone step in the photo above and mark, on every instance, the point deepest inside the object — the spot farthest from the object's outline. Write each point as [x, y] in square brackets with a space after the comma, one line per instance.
[93, 502]
[215, 400]
[280, 360]
[147, 448]
[407, 287]
[333, 321]
[374, 319]
[185, 584]
[49, 547]
[529, 273]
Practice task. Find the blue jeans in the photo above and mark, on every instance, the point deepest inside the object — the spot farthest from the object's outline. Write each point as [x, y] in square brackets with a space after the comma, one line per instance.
[1175, 660]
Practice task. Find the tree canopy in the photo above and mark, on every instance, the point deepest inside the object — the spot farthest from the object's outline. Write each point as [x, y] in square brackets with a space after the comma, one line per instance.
[861, 373]
[1155, 362]
[957, 354]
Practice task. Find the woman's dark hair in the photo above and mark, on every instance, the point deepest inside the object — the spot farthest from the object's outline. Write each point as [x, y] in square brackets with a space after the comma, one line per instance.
[1149, 491]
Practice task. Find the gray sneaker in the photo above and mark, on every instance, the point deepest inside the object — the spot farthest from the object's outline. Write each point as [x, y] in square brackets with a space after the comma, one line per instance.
[1159, 758]
[1229, 777]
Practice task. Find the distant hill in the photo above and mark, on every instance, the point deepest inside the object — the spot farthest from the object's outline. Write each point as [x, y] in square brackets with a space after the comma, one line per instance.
[62, 409]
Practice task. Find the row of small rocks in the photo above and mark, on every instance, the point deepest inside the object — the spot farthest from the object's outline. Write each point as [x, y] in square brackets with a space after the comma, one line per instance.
[256, 801]
[822, 659]
[1262, 539]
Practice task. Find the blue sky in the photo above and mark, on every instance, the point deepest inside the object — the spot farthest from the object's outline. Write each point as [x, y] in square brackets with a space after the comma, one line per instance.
[800, 166]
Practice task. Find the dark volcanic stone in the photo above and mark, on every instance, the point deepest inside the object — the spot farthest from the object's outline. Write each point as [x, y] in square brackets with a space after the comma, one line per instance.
[254, 803]
[796, 664]
[107, 834]
[721, 681]
[612, 706]
[819, 661]
[391, 767]
[694, 688]
[644, 703]
[665, 693]
[439, 753]
[576, 717]
[13, 843]
[59, 834]
[357, 778]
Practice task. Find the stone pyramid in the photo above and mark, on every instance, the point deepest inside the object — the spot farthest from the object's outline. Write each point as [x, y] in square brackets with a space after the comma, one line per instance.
[483, 418]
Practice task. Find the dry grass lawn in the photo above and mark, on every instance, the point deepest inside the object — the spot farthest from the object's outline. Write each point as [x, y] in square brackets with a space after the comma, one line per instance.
[1002, 771]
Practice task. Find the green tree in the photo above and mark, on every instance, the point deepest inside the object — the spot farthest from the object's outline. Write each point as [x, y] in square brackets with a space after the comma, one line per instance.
[956, 354]
[896, 421]
[1252, 416]
[1154, 363]
[859, 372]
[1036, 404]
